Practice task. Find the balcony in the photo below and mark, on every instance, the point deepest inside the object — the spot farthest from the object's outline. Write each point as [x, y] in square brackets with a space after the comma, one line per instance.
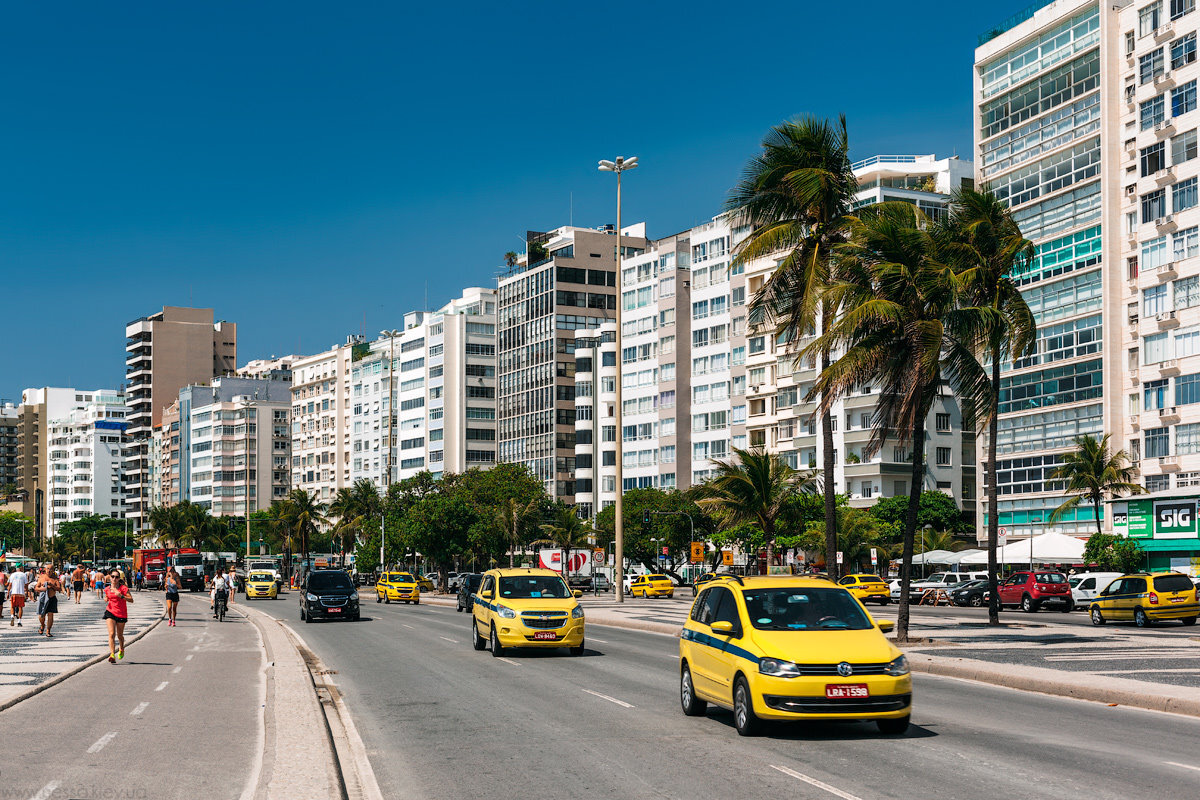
[1167, 368]
[1168, 463]
[1168, 414]
[1166, 223]
[1163, 32]
[1166, 126]
[1166, 319]
[1164, 176]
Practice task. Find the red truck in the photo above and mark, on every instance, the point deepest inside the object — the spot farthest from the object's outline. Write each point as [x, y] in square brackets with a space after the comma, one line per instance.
[153, 564]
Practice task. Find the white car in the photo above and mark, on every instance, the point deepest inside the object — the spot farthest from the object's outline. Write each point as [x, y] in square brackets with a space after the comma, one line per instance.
[894, 589]
[1086, 585]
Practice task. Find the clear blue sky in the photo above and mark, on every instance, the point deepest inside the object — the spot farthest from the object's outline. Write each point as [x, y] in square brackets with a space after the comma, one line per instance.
[299, 165]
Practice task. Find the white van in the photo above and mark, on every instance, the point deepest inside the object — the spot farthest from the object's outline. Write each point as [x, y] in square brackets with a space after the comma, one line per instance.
[1086, 585]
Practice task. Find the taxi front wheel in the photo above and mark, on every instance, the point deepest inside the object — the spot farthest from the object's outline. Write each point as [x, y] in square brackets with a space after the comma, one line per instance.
[578, 649]
[893, 726]
[497, 648]
[477, 641]
[744, 718]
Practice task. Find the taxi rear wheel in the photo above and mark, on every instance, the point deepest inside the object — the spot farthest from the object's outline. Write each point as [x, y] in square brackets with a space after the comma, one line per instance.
[893, 726]
[387, 599]
[1140, 619]
[1097, 617]
[378, 599]
[744, 718]
[692, 705]
[497, 648]
[1188, 620]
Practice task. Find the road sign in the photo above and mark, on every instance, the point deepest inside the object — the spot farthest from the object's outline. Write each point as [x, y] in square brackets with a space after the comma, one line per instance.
[598, 553]
[1002, 533]
[697, 552]
[666, 550]
[839, 556]
[874, 557]
[727, 558]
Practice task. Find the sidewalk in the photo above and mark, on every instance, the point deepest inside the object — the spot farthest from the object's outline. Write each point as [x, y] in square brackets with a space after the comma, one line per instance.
[30, 663]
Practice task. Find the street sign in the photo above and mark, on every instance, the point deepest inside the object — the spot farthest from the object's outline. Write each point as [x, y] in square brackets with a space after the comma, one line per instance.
[598, 553]
[666, 550]
[839, 556]
[727, 558]
[697, 552]
[874, 556]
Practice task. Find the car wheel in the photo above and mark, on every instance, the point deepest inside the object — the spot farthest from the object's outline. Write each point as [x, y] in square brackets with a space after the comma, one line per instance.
[976, 600]
[578, 649]
[693, 591]
[477, 641]
[378, 599]
[1069, 607]
[497, 648]
[692, 706]
[884, 602]
[1027, 604]
[894, 727]
[416, 602]
[744, 718]
[1097, 617]
[1140, 619]
[308, 617]
[301, 612]
[387, 599]
[355, 618]
[1188, 620]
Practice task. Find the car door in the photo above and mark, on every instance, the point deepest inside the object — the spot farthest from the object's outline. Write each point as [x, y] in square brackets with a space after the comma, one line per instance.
[482, 605]
[1132, 590]
[720, 655]
[1086, 589]
[1010, 590]
[702, 661]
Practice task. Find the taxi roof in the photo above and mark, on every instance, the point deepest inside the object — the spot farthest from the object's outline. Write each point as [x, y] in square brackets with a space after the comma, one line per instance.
[765, 581]
[508, 572]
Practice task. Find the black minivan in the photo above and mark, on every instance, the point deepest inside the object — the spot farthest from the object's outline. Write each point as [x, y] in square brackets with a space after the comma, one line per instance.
[328, 594]
[468, 585]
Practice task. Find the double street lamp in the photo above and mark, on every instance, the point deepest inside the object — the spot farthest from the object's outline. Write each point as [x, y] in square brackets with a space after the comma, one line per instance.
[619, 166]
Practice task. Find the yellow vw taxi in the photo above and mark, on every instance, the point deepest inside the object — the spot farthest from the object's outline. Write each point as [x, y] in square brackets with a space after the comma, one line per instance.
[790, 648]
[519, 607]
[261, 584]
[1146, 598]
[399, 586]
[867, 588]
[652, 586]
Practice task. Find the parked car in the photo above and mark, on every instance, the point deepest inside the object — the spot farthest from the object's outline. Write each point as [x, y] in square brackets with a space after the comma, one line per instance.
[867, 588]
[702, 579]
[894, 589]
[452, 581]
[328, 594]
[943, 580]
[601, 583]
[468, 585]
[581, 582]
[1086, 585]
[970, 593]
[652, 586]
[1032, 590]
[427, 583]
[1146, 598]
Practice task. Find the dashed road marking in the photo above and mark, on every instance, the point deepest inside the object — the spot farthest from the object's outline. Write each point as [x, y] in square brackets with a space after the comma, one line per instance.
[137, 712]
[621, 703]
[176, 670]
[1183, 766]
[405, 624]
[45, 792]
[161, 686]
[601, 641]
[448, 639]
[103, 740]
[833, 790]
[508, 661]
[189, 658]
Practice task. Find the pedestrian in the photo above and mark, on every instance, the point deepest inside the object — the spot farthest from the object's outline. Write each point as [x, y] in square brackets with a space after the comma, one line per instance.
[171, 584]
[218, 589]
[16, 591]
[116, 614]
[3, 587]
[78, 576]
[137, 580]
[231, 580]
[47, 589]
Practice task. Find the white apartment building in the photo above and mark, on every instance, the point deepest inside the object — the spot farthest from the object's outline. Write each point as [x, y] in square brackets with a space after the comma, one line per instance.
[431, 388]
[321, 419]
[86, 449]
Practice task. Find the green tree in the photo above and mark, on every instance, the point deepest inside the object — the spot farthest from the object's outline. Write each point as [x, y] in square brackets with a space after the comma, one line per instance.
[514, 519]
[668, 527]
[934, 508]
[1111, 553]
[1093, 472]
[857, 532]
[12, 523]
[798, 195]
[437, 526]
[302, 514]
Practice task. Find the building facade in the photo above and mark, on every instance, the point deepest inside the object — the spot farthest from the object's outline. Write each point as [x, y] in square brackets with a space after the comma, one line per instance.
[321, 419]
[84, 458]
[10, 426]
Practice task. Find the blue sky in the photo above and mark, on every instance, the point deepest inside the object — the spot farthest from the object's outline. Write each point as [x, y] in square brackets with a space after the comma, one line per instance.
[301, 167]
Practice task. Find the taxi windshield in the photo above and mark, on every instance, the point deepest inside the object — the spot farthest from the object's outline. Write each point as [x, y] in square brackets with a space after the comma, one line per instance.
[524, 586]
[399, 577]
[804, 609]
[659, 578]
[263, 577]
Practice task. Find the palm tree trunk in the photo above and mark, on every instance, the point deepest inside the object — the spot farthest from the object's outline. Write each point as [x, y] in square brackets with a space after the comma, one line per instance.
[1096, 501]
[769, 535]
[831, 566]
[993, 492]
[910, 523]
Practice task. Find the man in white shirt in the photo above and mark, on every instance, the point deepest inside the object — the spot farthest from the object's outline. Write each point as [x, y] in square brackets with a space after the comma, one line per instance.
[218, 587]
[18, 582]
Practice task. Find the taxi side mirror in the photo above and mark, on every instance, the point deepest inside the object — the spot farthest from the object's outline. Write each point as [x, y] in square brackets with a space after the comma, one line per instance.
[722, 626]
[577, 593]
[886, 625]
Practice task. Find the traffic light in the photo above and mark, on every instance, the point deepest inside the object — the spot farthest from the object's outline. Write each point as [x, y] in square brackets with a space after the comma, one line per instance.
[645, 517]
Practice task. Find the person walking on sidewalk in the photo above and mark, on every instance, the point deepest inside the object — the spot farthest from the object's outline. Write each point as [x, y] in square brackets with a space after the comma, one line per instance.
[17, 583]
[116, 614]
[78, 577]
[3, 588]
[171, 584]
[47, 589]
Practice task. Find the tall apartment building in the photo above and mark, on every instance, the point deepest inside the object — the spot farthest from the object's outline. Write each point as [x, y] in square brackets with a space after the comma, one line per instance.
[165, 352]
[38, 408]
[10, 425]
[321, 419]
[565, 282]
[84, 456]
[1061, 119]
[436, 380]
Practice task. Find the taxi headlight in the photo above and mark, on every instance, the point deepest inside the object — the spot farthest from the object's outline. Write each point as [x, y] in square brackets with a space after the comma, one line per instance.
[896, 667]
[777, 668]
[577, 612]
[506, 612]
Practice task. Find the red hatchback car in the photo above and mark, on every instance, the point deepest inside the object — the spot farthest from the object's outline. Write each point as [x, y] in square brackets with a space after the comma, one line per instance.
[1032, 590]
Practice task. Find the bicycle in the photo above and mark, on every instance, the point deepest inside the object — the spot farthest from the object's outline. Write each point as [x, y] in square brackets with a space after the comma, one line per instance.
[221, 602]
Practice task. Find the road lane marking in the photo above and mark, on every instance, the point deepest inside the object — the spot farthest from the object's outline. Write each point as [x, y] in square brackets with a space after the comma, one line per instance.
[176, 670]
[137, 712]
[405, 624]
[1184, 766]
[508, 661]
[601, 641]
[455, 641]
[45, 792]
[189, 658]
[103, 740]
[161, 686]
[621, 703]
[833, 790]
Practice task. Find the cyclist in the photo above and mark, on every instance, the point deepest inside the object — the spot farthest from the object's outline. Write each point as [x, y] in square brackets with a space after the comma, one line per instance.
[219, 591]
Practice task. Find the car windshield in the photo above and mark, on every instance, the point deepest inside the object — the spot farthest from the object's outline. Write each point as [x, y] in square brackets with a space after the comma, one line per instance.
[659, 578]
[1173, 583]
[523, 586]
[398, 577]
[808, 608]
[262, 576]
[1051, 577]
[1073, 582]
[326, 581]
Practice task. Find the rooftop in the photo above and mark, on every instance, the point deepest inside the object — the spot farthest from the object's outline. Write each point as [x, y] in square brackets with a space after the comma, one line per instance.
[1012, 22]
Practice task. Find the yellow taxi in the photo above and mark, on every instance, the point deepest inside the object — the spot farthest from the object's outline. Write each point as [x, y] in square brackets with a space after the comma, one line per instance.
[524, 607]
[261, 584]
[652, 586]
[426, 583]
[1145, 598]
[867, 588]
[399, 586]
[790, 648]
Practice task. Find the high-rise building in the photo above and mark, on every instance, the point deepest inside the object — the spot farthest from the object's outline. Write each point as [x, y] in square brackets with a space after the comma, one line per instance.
[84, 456]
[10, 425]
[1085, 145]
[38, 408]
[165, 352]
[321, 419]
[566, 281]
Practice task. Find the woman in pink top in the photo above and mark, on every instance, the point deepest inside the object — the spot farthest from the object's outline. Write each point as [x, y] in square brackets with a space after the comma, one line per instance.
[116, 614]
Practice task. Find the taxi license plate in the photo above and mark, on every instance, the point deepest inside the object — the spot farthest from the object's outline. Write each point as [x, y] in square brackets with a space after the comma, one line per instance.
[334, 610]
[546, 636]
[1178, 599]
[838, 691]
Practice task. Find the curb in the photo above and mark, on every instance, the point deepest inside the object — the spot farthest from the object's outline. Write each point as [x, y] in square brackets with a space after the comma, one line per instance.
[78, 668]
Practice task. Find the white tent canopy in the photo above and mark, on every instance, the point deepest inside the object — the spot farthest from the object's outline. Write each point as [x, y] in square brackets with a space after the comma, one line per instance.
[933, 557]
[957, 558]
[1049, 548]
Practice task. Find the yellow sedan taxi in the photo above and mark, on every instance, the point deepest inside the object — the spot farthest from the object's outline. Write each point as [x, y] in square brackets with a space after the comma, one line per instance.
[526, 608]
[399, 586]
[652, 586]
[261, 584]
[867, 588]
[790, 648]
[1145, 598]
[425, 583]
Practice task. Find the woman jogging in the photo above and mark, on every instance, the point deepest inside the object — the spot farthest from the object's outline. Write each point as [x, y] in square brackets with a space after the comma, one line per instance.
[172, 586]
[116, 614]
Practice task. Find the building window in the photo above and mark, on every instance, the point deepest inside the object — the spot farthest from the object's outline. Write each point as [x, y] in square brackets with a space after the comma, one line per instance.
[1154, 205]
[942, 423]
[1187, 439]
[1183, 195]
[1183, 147]
[1153, 111]
[1155, 348]
[1183, 99]
[943, 456]
[1153, 158]
[1186, 243]
[1149, 18]
[1187, 292]
[1157, 443]
[1150, 65]
[1158, 483]
[1181, 7]
[1155, 394]
[1183, 51]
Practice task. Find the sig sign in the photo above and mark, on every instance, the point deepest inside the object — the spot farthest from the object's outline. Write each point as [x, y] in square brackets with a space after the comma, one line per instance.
[1175, 519]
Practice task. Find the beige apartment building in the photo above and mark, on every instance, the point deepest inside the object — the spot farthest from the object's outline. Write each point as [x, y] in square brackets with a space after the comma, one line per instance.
[320, 458]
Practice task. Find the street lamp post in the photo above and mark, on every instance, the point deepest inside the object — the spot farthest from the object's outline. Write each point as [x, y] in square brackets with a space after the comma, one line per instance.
[619, 166]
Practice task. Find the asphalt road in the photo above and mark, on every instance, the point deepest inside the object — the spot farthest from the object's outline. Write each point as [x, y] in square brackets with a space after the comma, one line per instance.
[176, 718]
[441, 720]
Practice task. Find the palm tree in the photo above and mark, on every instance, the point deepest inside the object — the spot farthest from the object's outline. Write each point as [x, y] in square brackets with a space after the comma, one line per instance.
[567, 532]
[513, 517]
[1092, 472]
[988, 245]
[797, 195]
[903, 328]
[303, 514]
[510, 258]
[754, 488]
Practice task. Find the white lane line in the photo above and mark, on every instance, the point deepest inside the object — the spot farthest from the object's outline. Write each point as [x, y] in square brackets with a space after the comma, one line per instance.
[103, 740]
[176, 670]
[621, 703]
[449, 639]
[601, 641]
[161, 686]
[45, 792]
[405, 624]
[1183, 766]
[833, 790]
[189, 658]
[508, 661]
[137, 712]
